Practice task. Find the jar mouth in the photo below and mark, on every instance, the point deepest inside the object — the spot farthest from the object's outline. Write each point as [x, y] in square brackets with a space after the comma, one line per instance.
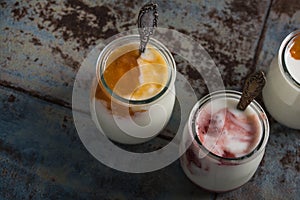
[134, 40]
[282, 59]
[230, 94]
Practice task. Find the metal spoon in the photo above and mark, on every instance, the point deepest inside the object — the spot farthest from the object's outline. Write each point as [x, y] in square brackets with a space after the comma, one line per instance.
[252, 88]
[147, 21]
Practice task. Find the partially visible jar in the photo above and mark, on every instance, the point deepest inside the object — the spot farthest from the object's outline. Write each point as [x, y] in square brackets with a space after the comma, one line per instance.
[281, 94]
[134, 95]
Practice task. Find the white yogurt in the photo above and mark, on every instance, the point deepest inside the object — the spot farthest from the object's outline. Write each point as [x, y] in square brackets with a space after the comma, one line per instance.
[139, 128]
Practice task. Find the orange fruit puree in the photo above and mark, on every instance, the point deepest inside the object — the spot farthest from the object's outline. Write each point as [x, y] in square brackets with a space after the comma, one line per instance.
[134, 77]
[295, 50]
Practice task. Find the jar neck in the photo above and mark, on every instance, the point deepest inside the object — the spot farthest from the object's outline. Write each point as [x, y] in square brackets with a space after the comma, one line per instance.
[284, 54]
[130, 43]
[229, 94]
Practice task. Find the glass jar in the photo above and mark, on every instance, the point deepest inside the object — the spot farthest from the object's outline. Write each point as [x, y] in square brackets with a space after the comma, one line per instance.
[220, 166]
[281, 94]
[124, 118]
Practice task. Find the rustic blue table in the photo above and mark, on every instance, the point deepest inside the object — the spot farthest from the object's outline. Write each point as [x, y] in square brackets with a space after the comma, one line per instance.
[43, 44]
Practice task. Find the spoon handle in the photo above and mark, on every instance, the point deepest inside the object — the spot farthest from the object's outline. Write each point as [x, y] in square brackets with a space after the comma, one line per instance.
[252, 88]
[147, 21]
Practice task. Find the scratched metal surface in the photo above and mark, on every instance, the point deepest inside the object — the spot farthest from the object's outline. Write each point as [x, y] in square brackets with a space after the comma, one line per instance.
[42, 46]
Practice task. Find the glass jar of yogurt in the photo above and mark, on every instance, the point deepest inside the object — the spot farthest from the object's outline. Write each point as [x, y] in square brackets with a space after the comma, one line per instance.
[134, 93]
[281, 93]
[224, 145]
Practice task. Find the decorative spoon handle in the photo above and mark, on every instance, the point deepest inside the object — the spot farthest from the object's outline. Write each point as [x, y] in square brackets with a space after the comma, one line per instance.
[147, 21]
[252, 88]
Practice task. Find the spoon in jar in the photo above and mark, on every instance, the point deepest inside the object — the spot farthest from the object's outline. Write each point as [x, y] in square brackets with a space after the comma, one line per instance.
[252, 88]
[147, 22]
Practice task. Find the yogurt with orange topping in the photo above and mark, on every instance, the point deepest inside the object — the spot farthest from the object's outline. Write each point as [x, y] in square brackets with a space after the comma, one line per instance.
[281, 93]
[134, 94]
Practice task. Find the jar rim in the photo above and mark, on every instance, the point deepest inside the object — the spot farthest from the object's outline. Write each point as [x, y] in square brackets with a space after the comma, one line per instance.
[264, 123]
[281, 58]
[134, 39]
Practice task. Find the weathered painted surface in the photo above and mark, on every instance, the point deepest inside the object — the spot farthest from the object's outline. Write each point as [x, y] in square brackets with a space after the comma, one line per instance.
[278, 177]
[43, 158]
[43, 44]
[283, 19]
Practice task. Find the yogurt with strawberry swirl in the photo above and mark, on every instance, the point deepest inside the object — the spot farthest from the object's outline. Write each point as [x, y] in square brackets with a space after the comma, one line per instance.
[225, 145]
